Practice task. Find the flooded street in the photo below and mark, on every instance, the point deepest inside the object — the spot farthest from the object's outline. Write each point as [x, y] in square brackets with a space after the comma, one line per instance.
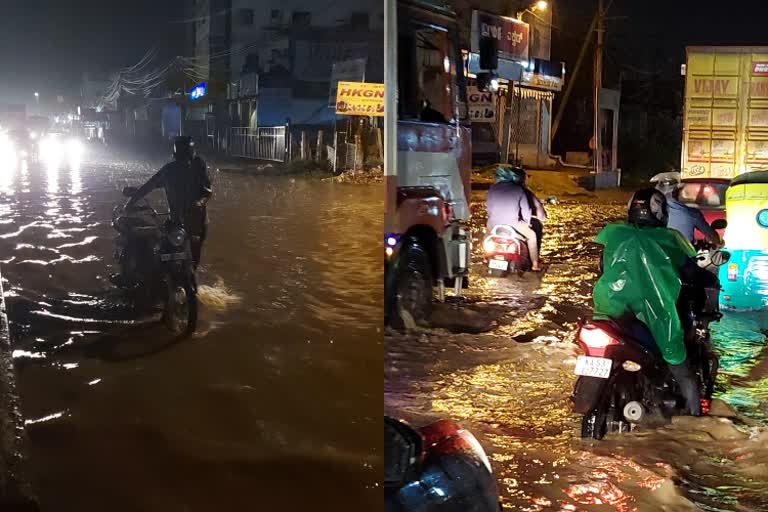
[275, 401]
[511, 387]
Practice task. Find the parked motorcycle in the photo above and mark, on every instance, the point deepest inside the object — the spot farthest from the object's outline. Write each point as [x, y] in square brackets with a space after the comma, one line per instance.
[155, 260]
[437, 468]
[506, 251]
[623, 379]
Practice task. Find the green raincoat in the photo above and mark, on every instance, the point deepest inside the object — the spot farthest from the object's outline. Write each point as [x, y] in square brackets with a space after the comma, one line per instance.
[641, 276]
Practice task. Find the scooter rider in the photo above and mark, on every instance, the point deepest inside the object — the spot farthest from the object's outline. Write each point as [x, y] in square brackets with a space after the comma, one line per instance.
[510, 203]
[187, 187]
[642, 263]
[681, 217]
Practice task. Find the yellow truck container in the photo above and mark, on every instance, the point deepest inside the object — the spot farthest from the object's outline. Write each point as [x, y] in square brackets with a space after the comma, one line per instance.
[725, 127]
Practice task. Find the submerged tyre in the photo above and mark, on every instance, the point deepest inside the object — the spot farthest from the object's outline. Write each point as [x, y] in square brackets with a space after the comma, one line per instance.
[497, 273]
[414, 289]
[594, 424]
[181, 306]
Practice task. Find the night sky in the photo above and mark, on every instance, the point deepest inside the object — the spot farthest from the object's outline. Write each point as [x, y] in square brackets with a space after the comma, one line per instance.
[45, 45]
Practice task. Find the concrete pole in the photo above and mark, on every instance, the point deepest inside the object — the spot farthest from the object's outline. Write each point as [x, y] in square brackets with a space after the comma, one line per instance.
[598, 82]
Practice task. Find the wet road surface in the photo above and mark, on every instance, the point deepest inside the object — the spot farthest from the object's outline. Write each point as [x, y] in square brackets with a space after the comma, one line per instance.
[510, 386]
[273, 405]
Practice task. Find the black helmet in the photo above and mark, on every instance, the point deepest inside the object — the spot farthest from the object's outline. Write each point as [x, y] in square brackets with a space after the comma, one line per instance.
[183, 148]
[648, 208]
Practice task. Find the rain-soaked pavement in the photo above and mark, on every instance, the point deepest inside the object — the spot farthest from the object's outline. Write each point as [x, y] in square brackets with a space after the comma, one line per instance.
[510, 386]
[273, 405]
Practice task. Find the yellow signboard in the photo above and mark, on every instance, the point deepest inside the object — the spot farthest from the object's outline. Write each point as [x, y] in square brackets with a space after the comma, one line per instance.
[360, 99]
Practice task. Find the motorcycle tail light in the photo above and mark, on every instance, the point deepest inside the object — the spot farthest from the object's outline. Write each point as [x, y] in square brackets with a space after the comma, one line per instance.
[594, 337]
[706, 406]
[498, 244]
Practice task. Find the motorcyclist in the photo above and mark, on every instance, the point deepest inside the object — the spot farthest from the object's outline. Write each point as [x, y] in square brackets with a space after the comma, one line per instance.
[510, 203]
[642, 264]
[187, 187]
[682, 217]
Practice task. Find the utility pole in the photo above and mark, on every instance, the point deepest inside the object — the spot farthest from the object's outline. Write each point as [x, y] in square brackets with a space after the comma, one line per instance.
[598, 80]
[572, 80]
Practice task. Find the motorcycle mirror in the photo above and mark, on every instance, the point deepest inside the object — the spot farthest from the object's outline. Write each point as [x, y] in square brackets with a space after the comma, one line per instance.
[719, 224]
[129, 191]
[401, 445]
[720, 258]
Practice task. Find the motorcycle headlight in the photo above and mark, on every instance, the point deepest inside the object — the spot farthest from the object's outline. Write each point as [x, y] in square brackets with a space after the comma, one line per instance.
[177, 237]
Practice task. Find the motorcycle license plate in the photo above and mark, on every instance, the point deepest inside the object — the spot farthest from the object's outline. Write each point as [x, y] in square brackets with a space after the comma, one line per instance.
[498, 264]
[173, 256]
[593, 366]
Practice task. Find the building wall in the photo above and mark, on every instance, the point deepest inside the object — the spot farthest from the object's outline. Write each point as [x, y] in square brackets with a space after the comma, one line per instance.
[292, 44]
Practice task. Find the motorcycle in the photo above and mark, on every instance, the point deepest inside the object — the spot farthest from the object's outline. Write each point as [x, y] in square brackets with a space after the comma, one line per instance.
[436, 468]
[623, 380]
[155, 260]
[506, 251]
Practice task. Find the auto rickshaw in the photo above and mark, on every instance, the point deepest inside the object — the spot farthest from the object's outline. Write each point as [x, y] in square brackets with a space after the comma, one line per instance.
[745, 278]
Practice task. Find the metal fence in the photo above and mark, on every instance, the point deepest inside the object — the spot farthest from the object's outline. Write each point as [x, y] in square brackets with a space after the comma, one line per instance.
[264, 143]
[344, 157]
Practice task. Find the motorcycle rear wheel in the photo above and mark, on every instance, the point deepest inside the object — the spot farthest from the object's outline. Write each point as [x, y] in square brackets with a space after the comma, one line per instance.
[594, 424]
[181, 306]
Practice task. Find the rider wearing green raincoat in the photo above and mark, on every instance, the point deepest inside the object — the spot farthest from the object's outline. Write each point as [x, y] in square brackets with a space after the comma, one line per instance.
[642, 260]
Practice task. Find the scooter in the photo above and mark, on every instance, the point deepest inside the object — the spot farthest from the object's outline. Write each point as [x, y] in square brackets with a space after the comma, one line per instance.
[440, 467]
[624, 381]
[155, 260]
[506, 251]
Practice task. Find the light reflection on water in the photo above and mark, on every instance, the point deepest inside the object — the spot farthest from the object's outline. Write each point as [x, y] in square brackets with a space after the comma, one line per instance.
[281, 384]
[515, 395]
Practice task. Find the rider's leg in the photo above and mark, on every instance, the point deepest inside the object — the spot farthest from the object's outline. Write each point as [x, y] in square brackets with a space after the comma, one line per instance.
[532, 242]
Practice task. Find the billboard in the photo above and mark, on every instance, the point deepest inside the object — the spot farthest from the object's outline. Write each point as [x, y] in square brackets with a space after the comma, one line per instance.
[345, 71]
[725, 131]
[360, 99]
[512, 36]
[482, 105]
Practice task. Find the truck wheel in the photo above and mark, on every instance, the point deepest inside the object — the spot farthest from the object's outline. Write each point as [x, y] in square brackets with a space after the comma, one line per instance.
[414, 287]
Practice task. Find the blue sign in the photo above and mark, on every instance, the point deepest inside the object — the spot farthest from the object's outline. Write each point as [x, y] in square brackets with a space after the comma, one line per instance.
[198, 91]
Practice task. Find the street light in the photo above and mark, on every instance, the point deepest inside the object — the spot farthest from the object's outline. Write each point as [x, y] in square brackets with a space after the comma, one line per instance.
[541, 5]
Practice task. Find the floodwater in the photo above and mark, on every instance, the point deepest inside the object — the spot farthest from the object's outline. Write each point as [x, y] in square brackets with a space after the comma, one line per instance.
[273, 405]
[511, 387]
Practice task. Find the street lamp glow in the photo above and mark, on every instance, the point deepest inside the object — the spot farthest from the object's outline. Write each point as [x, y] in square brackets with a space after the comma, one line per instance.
[37, 95]
[541, 5]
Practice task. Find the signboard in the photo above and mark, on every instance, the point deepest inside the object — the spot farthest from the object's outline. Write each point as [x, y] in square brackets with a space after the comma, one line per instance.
[511, 35]
[482, 105]
[760, 68]
[198, 92]
[345, 71]
[360, 99]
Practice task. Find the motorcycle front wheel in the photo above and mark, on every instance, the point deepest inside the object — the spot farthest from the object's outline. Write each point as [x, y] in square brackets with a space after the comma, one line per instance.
[181, 305]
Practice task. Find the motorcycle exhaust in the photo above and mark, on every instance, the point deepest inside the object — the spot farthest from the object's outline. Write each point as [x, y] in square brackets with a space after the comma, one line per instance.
[634, 412]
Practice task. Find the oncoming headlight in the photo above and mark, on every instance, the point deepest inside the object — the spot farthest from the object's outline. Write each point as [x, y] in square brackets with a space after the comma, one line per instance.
[762, 218]
[177, 237]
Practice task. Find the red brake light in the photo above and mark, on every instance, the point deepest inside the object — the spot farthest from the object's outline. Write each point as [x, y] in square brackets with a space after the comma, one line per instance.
[594, 337]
